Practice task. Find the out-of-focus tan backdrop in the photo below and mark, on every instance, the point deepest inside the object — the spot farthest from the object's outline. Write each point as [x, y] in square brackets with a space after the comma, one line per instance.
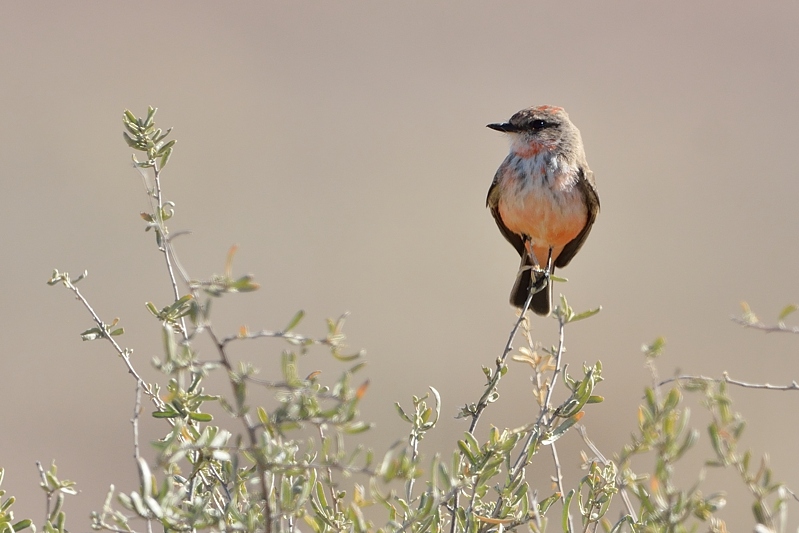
[343, 146]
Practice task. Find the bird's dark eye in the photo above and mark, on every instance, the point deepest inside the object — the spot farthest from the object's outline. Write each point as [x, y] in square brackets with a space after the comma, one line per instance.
[539, 124]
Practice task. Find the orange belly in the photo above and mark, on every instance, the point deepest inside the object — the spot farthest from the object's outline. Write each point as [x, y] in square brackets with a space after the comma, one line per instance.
[550, 218]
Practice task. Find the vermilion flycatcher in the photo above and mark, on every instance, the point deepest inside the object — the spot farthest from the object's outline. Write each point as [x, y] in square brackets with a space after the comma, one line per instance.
[543, 198]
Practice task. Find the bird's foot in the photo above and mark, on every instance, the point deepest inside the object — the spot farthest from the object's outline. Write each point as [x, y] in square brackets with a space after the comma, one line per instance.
[540, 279]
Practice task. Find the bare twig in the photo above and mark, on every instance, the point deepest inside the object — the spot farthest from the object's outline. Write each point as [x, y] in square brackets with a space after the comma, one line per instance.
[123, 353]
[135, 421]
[500, 363]
[757, 324]
[793, 386]
[558, 471]
[294, 337]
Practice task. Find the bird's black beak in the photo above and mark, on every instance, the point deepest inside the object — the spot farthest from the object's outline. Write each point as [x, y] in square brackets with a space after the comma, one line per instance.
[506, 127]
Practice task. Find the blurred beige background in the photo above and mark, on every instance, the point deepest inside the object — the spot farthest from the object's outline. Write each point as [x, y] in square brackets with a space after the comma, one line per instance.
[343, 146]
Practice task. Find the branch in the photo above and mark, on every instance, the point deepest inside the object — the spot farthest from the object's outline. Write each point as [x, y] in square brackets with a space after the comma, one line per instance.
[755, 323]
[292, 337]
[727, 379]
[103, 327]
[158, 217]
[500, 364]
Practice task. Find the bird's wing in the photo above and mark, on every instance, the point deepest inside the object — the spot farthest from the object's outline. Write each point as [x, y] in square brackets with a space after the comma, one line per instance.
[587, 186]
[492, 202]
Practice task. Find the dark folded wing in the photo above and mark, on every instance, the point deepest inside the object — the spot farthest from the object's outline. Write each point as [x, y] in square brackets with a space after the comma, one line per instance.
[587, 187]
[492, 202]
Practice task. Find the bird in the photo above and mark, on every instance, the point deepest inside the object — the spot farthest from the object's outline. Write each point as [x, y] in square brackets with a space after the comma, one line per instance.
[543, 198]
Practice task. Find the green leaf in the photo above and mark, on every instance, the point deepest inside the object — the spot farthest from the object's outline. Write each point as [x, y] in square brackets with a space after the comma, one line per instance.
[92, 334]
[150, 307]
[357, 427]
[402, 413]
[672, 400]
[298, 316]
[150, 116]
[165, 157]
[166, 414]
[561, 429]
[715, 440]
[466, 451]
[133, 143]
[128, 117]
[166, 147]
[180, 303]
[22, 524]
[245, 284]
[627, 519]
[6, 504]
[544, 506]
[787, 310]
[201, 417]
[585, 314]
[655, 349]
[689, 441]
[565, 517]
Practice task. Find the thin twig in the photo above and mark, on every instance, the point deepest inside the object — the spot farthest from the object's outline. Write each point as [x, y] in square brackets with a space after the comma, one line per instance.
[123, 353]
[135, 421]
[158, 211]
[500, 363]
[757, 324]
[727, 379]
[414, 444]
[543, 416]
[49, 494]
[558, 472]
[294, 337]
